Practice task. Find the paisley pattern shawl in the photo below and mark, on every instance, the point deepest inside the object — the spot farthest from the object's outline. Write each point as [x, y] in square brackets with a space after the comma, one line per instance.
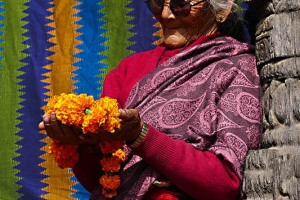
[208, 96]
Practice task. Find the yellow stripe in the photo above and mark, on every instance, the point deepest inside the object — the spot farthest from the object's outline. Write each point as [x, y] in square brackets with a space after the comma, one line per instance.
[58, 180]
[158, 33]
[64, 40]
[59, 80]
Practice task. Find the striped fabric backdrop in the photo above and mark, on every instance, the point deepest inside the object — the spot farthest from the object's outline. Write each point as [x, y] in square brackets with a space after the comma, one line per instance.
[48, 47]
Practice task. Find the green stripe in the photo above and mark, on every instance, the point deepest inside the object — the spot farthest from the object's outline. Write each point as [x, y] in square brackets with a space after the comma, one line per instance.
[115, 16]
[10, 100]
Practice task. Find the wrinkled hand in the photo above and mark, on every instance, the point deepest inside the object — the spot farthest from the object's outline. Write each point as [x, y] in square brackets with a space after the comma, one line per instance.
[56, 130]
[131, 126]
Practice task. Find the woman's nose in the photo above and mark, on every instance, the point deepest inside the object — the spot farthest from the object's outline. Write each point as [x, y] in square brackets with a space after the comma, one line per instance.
[167, 12]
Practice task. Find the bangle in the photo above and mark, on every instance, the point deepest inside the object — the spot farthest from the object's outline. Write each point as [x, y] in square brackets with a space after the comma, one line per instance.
[141, 137]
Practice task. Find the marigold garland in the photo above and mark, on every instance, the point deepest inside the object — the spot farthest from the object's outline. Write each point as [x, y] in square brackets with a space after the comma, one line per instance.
[111, 163]
[65, 155]
[89, 114]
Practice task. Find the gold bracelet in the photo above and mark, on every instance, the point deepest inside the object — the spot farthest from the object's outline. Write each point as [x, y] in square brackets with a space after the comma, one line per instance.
[141, 137]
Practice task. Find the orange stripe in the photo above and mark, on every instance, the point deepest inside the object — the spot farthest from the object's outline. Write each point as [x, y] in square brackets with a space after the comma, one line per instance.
[59, 80]
[64, 40]
[158, 33]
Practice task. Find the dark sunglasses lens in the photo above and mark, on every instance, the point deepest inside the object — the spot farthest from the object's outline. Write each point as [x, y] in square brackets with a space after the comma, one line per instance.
[155, 6]
[180, 7]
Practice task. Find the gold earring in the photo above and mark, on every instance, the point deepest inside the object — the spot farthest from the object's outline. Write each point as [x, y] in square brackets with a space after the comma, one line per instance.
[220, 18]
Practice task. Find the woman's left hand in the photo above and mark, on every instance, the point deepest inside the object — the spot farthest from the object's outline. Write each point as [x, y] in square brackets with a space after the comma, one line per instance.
[131, 126]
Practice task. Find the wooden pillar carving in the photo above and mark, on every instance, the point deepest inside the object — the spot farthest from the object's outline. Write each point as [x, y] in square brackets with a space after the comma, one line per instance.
[273, 171]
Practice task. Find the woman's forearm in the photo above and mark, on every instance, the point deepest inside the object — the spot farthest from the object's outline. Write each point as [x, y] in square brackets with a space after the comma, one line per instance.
[199, 174]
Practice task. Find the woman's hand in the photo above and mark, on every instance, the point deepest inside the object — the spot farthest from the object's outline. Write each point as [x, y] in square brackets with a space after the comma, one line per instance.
[131, 126]
[56, 130]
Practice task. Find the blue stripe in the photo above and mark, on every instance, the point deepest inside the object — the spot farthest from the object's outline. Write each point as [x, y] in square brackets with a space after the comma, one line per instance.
[33, 90]
[80, 193]
[143, 28]
[90, 64]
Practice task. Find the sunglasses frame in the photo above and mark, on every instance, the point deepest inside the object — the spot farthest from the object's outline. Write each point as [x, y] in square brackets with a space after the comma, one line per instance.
[173, 7]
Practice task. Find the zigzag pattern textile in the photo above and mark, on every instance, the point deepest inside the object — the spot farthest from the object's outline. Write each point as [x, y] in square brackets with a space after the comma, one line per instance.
[48, 47]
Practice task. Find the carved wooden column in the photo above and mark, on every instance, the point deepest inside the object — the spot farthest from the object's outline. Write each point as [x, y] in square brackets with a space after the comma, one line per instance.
[273, 172]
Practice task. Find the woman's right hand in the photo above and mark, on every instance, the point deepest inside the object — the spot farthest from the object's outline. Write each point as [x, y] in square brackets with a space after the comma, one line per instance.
[131, 126]
[56, 130]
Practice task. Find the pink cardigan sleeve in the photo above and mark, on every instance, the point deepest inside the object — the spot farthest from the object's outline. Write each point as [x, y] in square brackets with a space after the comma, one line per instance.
[197, 173]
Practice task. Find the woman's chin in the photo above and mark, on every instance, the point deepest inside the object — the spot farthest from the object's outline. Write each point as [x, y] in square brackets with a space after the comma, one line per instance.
[174, 42]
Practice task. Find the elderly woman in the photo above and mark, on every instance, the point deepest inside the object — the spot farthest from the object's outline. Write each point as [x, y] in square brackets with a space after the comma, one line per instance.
[190, 109]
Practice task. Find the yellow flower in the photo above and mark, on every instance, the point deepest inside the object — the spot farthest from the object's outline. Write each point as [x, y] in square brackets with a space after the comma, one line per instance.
[103, 113]
[120, 154]
[69, 108]
[83, 111]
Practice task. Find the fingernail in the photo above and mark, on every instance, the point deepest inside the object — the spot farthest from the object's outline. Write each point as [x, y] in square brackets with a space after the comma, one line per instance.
[46, 118]
[52, 116]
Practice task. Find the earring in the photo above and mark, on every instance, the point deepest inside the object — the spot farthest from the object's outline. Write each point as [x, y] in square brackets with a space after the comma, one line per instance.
[220, 18]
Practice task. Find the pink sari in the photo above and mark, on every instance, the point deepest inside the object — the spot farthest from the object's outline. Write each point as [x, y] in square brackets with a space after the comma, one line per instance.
[208, 96]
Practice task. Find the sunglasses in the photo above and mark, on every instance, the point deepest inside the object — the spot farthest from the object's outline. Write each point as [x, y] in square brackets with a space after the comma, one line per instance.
[178, 7]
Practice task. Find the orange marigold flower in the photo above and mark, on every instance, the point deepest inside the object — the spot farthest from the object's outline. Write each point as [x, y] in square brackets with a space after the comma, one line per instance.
[110, 182]
[111, 147]
[92, 123]
[69, 108]
[82, 110]
[50, 105]
[111, 124]
[113, 114]
[110, 164]
[65, 155]
[103, 113]
[120, 154]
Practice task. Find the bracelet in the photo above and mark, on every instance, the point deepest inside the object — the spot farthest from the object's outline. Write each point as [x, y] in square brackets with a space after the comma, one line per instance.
[141, 137]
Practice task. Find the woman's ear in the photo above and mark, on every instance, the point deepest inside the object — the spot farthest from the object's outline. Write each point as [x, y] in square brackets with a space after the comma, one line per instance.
[222, 15]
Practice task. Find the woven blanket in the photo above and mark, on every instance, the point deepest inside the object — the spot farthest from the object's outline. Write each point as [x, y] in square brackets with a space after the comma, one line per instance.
[48, 47]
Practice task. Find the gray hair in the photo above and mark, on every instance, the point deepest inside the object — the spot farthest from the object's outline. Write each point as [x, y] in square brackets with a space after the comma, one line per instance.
[233, 24]
[218, 5]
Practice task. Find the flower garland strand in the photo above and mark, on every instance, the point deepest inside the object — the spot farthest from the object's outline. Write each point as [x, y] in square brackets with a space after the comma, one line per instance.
[83, 111]
[111, 164]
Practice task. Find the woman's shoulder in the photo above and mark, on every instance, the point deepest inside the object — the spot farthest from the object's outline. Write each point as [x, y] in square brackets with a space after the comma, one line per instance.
[138, 56]
[143, 59]
[131, 63]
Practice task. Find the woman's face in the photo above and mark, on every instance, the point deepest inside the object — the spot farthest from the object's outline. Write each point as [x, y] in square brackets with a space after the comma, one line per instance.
[178, 31]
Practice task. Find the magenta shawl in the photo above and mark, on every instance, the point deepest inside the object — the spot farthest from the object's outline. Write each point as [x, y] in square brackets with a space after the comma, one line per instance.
[208, 96]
